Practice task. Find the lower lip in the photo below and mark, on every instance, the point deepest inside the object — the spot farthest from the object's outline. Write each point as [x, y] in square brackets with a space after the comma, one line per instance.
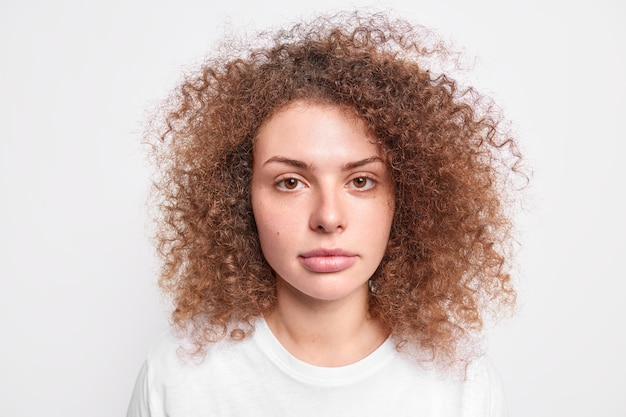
[328, 263]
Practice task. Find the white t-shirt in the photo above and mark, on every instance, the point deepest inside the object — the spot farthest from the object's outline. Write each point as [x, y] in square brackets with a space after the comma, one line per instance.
[258, 377]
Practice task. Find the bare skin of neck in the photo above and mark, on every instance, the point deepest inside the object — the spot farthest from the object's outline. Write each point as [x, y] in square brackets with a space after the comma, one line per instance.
[325, 333]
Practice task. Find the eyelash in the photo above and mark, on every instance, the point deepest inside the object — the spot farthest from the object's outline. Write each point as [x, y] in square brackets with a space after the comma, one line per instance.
[369, 183]
[282, 183]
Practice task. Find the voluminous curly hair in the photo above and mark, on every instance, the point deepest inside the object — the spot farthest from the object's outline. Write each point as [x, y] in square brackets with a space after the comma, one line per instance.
[450, 160]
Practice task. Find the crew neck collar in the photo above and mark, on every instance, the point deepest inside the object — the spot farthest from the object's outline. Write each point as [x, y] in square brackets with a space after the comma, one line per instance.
[320, 375]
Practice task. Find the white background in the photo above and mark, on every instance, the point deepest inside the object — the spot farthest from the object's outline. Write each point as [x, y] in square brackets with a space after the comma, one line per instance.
[78, 301]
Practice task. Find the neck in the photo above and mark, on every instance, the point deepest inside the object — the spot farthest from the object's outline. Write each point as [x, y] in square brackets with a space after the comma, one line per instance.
[325, 333]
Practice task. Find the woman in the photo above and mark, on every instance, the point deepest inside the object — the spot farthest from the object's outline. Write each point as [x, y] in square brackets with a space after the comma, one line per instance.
[333, 231]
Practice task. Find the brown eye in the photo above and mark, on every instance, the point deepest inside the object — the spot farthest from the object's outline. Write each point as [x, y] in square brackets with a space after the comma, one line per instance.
[289, 184]
[360, 182]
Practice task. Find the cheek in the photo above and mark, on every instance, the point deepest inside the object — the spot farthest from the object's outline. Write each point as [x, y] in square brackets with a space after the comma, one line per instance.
[274, 226]
[263, 221]
[380, 229]
[389, 209]
[383, 210]
[270, 224]
[274, 220]
[277, 243]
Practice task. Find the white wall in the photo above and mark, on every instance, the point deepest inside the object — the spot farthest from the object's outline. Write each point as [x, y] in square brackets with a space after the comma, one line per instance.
[78, 302]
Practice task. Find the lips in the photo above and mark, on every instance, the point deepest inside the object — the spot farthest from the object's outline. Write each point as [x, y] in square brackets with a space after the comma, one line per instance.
[327, 260]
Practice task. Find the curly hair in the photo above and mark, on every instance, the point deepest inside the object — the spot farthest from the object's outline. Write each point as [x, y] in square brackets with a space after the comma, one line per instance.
[447, 261]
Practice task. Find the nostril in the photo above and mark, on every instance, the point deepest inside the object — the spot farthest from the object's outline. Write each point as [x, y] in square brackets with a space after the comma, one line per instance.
[329, 227]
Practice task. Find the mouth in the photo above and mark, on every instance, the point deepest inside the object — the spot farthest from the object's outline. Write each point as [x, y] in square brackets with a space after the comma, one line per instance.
[327, 260]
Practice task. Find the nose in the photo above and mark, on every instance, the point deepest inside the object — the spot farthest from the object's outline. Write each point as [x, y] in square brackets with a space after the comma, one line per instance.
[329, 212]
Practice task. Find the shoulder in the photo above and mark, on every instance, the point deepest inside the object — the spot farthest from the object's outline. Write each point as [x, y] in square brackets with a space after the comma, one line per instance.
[171, 360]
[470, 390]
[149, 390]
[482, 372]
[483, 388]
[173, 363]
[173, 380]
[163, 357]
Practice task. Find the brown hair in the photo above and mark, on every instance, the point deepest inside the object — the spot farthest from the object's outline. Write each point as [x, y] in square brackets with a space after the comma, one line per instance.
[447, 258]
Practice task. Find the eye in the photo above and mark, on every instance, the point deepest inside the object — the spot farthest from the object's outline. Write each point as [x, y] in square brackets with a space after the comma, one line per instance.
[362, 183]
[289, 184]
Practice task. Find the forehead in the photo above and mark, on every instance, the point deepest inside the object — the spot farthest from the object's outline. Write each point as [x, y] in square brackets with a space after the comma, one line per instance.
[318, 128]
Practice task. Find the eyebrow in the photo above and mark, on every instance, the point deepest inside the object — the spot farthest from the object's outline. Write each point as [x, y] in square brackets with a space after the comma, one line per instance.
[362, 162]
[299, 164]
[281, 160]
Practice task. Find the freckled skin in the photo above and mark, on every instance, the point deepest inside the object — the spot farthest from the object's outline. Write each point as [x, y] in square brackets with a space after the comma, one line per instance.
[319, 182]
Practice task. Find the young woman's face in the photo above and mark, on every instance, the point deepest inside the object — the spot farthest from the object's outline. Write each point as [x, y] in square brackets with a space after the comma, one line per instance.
[322, 199]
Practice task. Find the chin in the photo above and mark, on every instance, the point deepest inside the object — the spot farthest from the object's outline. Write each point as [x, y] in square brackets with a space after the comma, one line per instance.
[333, 291]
